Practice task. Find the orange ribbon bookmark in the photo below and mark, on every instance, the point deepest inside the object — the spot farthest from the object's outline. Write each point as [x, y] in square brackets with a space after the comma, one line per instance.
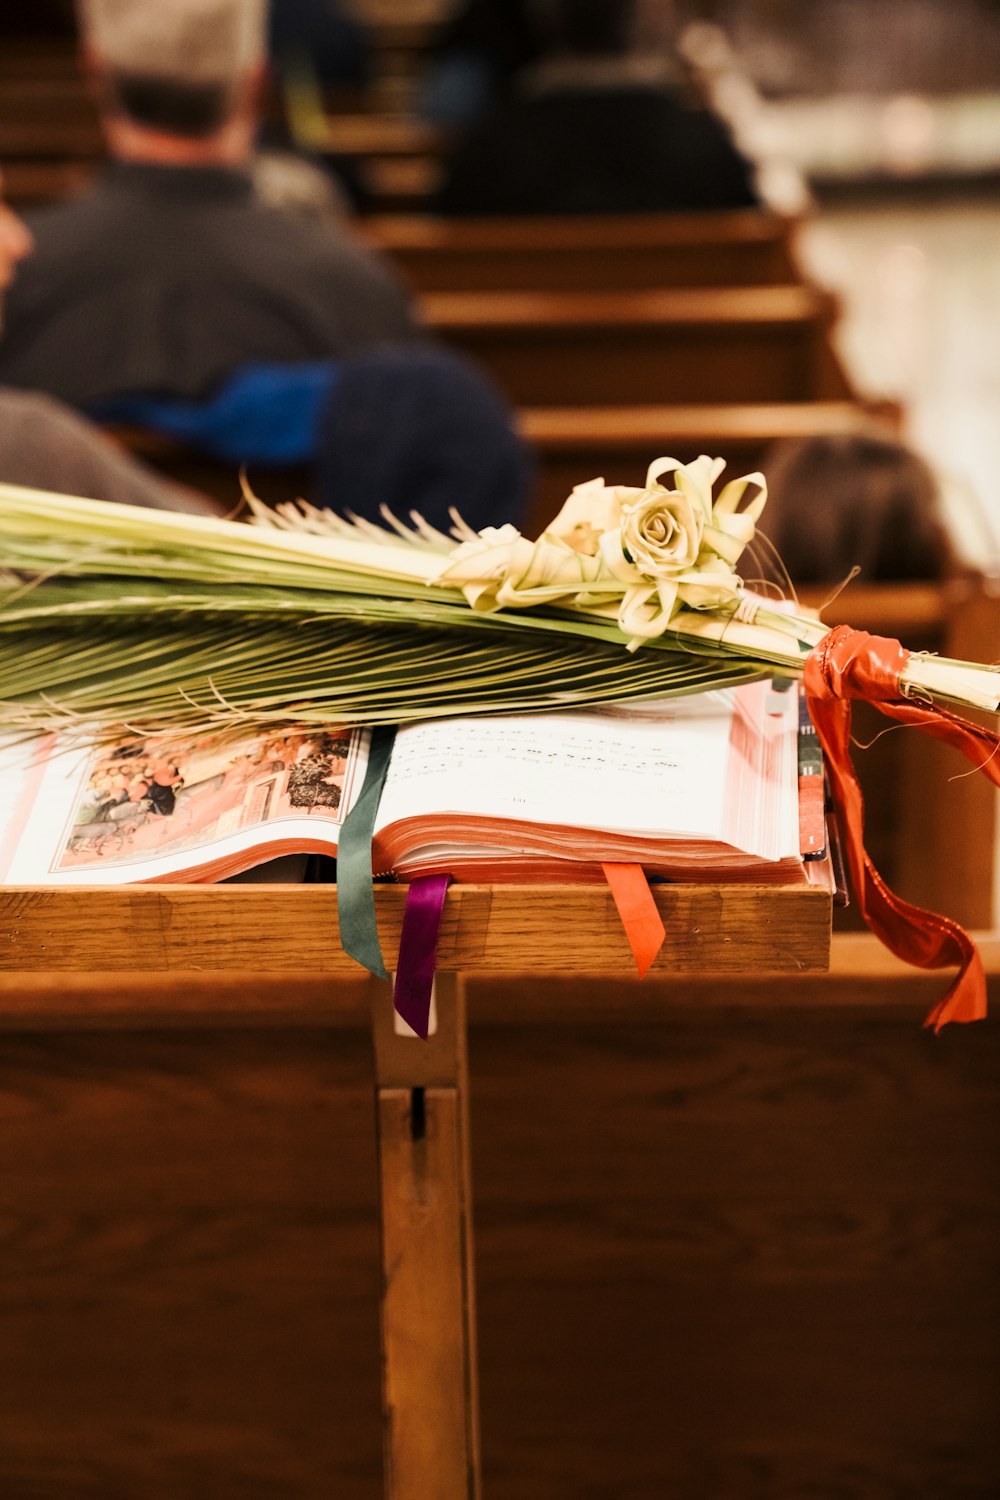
[640, 918]
[852, 664]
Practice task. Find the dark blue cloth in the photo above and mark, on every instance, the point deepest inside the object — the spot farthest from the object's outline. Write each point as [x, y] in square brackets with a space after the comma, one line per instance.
[266, 414]
[414, 428]
[421, 429]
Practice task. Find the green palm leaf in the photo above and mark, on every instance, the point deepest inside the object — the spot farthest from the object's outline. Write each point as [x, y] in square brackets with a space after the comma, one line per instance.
[112, 617]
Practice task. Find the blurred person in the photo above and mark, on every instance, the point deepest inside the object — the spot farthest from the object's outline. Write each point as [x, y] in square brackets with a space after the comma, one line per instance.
[594, 128]
[168, 274]
[323, 36]
[479, 50]
[852, 500]
[45, 446]
[420, 428]
[289, 181]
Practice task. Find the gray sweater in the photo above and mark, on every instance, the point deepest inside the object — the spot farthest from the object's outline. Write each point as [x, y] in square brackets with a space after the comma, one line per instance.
[45, 446]
[163, 280]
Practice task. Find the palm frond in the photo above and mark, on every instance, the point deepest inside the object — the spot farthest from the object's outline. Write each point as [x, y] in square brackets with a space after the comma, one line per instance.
[113, 617]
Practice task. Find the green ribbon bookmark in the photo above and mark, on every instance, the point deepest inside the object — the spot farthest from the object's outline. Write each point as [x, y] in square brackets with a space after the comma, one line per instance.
[355, 891]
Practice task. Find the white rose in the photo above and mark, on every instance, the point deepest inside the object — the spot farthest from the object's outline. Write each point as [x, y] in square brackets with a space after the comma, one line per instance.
[661, 532]
[591, 510]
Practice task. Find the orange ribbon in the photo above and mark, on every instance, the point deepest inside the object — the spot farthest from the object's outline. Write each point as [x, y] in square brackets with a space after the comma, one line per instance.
[852, 664]
[639, 915]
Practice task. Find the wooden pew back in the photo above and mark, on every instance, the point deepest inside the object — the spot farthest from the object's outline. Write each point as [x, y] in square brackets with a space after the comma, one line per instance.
[783, 1188]
[576, 443]
[584, 253]
[730, 344]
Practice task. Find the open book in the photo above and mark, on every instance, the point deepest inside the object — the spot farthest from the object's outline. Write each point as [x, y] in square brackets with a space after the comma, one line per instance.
[702, 788]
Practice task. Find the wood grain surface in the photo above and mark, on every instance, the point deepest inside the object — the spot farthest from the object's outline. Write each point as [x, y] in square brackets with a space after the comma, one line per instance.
[550, 929]
[430, 1376]
[862, 974]
[724, 1253]
[688, 345]
[431, 1386]
[587, 253]
[188, 1267]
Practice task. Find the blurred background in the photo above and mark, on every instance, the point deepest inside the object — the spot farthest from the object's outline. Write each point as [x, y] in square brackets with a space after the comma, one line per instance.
[875, 123]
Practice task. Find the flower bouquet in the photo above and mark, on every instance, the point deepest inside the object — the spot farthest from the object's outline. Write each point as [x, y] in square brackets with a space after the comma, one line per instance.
[116, 619]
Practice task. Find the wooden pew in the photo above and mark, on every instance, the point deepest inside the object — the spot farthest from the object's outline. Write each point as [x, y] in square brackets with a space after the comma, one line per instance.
[395, 161]
[48, 118]
[575, 443]
[584, 253]
[32, 182]
[33, 139]
[50, 134]
[781, 1187]
[694, 345]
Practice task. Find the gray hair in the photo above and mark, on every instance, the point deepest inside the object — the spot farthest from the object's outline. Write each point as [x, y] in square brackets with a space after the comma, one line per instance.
[201, 43]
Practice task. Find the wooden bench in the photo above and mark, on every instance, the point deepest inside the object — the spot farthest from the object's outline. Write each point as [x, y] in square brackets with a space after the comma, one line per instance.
[571, 444]
[584, 253]
[56, 140]
[756, 1182]
[48, 118]
[33, 182]
[575, 443]
[395, 161]
[421, 1116]
[687, 346]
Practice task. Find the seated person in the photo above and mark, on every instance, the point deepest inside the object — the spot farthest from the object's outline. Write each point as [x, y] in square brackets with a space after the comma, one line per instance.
[45, 446]
[851, 500]
[418, 429]
[323, 35]
[593, 129]
[478, 50]
[168, 274]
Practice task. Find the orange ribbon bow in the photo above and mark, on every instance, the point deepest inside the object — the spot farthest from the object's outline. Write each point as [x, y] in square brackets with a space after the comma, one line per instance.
[852, 664]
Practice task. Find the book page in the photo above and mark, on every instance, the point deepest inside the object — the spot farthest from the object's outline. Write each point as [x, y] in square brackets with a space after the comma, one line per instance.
[635, 774]
[149, 809]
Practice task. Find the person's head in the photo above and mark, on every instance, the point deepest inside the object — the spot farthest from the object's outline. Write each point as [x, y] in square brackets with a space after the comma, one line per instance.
[176, 79]
[854, 500]
[15, 244]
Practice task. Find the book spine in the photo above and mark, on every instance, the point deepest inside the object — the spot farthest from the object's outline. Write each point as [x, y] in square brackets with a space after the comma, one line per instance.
[812, 820]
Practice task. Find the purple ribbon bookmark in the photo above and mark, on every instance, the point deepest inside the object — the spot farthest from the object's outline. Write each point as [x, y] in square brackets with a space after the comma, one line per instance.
[411, 993]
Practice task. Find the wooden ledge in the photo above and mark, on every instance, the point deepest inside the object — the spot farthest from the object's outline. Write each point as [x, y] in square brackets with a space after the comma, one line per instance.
[571, 231]
[724, 929]
[863, 978]
[761, 306]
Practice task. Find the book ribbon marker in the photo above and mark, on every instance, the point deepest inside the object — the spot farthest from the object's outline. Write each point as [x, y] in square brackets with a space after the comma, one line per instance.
[640, 918]
[418, 943]
[852, 664]
[355, 889]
